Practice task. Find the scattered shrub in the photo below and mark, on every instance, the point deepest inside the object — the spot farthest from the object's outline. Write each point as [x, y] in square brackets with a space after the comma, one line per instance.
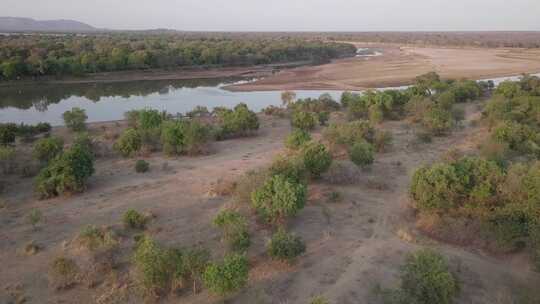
[285, 246]
[129, 143]
[361, 154]
[382, 140]
[319, 300]
[63, 273]
[323, 118]
[227, 276]
[67, 172]
[34, 217]
[346, 134]
[142, 166]
[235, 229]
[92, 238]
[317, 159]
[149, 119]
[75, 119]
[438, 121]
[303, 120]
[290, 167]
[297, 139]
[247, 184]
[426, 279]
[48, 148]
[279, 197]
[134, 220]
[182, 136]
[7, 159]
[154, 266]
[238, 122]
[198, 111]
[194, 262]
[8, 132]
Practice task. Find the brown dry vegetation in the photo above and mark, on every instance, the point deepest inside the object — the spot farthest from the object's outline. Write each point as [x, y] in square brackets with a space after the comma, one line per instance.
[352, 243]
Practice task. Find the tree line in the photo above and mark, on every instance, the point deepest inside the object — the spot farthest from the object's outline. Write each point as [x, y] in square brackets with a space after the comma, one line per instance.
[76, 55]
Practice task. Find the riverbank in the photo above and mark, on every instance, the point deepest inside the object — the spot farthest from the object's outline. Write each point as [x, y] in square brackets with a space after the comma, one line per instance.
[258, 71]
[399, 65]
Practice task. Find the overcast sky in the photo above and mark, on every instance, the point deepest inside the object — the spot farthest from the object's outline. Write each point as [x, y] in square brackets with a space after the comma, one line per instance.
[287, 15]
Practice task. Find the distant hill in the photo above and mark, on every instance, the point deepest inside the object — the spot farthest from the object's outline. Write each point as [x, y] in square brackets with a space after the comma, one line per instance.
[16, 24]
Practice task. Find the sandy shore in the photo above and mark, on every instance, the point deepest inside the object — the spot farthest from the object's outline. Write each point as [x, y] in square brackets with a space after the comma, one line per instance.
[399, 65]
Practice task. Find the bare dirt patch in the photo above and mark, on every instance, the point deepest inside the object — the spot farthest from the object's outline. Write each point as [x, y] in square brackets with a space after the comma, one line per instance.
[352, 244]
[399, 66]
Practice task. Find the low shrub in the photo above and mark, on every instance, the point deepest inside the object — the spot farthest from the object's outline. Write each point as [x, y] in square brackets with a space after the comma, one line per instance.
[228, 276]
[7, 159]
[92, 238]
[323, 118]
[48, 148]
[238, 122]
[362, 154]
[134, 220]
[8, 133]
[63, 273]
[437, 121]
[66, 173]
[426, 279]
[235, 229]
[317, 159]
[285, 246]
[154, 266]
[278, 198]
[129, 143]
[382, 141]
[319, 300]
[297, 139]
[34, 217]
[247, 184]
[75, 119]
[290, 167]
[142, 166]
[303, 120]
[184, 137]
[346, 134]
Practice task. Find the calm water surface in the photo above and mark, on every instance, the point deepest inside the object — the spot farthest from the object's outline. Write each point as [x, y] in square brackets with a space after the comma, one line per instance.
[109, 101]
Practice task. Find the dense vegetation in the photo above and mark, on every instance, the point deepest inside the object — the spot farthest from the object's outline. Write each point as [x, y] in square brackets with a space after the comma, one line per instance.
[39, 55]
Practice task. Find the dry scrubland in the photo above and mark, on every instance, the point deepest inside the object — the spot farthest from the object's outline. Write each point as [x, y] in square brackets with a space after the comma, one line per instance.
[365, 210]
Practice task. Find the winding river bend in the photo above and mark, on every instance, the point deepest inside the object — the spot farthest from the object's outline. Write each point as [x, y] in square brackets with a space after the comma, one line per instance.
[35, 103]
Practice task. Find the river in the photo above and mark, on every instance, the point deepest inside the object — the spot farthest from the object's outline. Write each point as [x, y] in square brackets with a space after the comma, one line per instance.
[35, 103]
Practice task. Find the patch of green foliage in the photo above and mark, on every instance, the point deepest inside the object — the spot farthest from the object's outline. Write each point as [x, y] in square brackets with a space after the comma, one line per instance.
[142, 166]
[317, 159]
[75, 119]
[235, 229]
[297, 139]
[303, 120]
[362, 153]
[285, 246]
[134, 220]
[48, 148]
[129, 143]
[228, 276]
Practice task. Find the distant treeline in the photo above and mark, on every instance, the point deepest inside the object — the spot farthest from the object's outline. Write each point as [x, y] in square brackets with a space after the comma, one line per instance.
[477, 39]
[75, 55]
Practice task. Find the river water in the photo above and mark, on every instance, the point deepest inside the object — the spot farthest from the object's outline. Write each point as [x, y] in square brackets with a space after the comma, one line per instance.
[35, 103]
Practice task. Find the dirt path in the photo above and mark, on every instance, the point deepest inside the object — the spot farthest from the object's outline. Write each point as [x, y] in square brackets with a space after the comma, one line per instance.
[399, 66]
[351, 245]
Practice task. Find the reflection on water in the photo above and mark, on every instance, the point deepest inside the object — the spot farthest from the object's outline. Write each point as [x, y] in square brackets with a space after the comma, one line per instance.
[109, 101]
[35, 103]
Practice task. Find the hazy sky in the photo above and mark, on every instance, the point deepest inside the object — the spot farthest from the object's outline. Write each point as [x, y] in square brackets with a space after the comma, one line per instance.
[290, 15]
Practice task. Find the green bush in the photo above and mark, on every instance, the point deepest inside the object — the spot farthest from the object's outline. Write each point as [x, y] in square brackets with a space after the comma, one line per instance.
[319, 300]
[436, 187]
[154, 266]
[7, 159]
[438, 121]
[323, 118]
[235, 229]
[297, 139]
[182, 136]
[149, 119]
[8, 132]
[290, 167]
[67, 172]
[278, 198]
[228, 276]
[238, 122]
[426, 279]
[346, 134]
[142, 166]
[303, 120]
[317, 158]
[362, 154]
[94, 238]
[135, 220]
[129, 143]
[75, 119]
[285, 246]
[47, 148]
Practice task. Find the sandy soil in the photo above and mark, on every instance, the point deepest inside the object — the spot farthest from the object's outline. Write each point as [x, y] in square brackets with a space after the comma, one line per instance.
[399, 66]
[352, 245]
